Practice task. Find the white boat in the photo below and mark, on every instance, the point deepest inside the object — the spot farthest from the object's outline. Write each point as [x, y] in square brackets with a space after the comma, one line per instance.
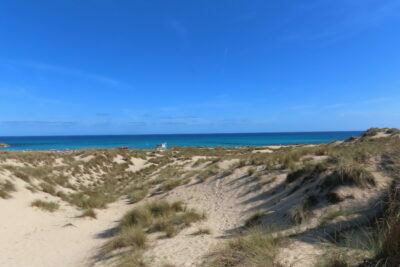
[162, 146]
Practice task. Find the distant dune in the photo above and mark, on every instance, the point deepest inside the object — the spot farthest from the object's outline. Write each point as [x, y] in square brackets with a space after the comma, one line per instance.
[3, 145]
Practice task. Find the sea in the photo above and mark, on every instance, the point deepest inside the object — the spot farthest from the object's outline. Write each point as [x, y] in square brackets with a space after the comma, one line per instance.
[184, 140]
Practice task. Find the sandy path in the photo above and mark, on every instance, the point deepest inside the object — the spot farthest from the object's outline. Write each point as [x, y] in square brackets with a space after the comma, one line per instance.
[222, 201]
[36, 238]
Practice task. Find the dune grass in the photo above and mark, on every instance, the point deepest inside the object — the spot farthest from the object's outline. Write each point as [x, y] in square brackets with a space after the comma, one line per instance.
[388, 253]
[254, 220]
[160, 216]
[207, 173]
[88, 213]
[157, 216]
[336, 260]
[256, 247]
[308, 172]
[170, 184]
[202, 231]
[130, 236]
[49, 206]
[6, 188]
[350, 174]
[137, 193]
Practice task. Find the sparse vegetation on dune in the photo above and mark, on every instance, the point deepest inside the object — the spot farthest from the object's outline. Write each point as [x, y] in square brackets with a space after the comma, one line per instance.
[88, 213]
[137, 193]
[255, 247]
[202, 231]
[6, 188]
[45, 205]
[318, 189]
[157, 216]
[349, 174]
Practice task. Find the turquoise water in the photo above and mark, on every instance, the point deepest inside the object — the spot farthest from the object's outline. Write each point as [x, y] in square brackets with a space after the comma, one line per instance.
[150, 141]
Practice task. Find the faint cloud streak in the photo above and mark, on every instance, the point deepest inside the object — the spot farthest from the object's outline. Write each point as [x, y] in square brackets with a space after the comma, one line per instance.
[66, 71]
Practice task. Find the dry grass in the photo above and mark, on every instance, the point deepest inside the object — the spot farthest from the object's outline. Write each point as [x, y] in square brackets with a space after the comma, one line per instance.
[303, 212]
[371, 132]
[254, 220]
[389, 232]
[351, 174]
[6, 188]
[336, 260]
[47, 188]
[161, 216]
[332, 214]
[170, 184]
[132, 259]
[130, 236]
[156, 216]
[49, 206]
[202, 231]
[137, 193]
[308, 172]
[251, 171]
[257, 247]
[88, 213]
[207, 173]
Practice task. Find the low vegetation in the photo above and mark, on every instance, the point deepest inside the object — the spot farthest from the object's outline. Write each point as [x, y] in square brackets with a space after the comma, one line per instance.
[49, 206]
[310, 186]
[157, 216]
[349, 174]
[255, 247]
[88, 213]
[137, 193]
[6, 188]
[202, 231]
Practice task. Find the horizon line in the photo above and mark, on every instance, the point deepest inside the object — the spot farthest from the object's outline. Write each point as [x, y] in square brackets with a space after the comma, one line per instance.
[218, 133]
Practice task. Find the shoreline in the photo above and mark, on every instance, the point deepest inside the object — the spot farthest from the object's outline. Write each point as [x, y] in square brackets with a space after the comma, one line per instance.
[193, 141]
[275, 146]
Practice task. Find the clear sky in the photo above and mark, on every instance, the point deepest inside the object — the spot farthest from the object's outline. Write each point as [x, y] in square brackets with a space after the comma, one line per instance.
[157, 66]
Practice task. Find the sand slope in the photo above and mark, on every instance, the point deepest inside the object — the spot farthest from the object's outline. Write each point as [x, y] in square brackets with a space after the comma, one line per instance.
[32, 237]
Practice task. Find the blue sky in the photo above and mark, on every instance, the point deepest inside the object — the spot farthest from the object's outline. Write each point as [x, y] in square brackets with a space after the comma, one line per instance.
[134, 67]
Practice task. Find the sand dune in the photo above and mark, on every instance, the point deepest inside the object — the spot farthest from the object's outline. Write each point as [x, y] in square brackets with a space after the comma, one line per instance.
[294, 192]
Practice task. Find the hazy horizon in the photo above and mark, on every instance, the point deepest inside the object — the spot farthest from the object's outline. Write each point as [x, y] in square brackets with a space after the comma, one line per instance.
[216, 133]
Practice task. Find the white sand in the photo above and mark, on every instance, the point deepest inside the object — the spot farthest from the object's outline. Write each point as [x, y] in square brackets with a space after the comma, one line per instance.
[32, 237]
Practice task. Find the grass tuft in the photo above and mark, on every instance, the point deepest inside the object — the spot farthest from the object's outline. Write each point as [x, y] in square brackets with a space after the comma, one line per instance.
[6, 188]
[132, 236]
[137, 194]
[88, 213]
[254, 220]
[202, 231]
[349, 174]
[256, 247]
[49, 206]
